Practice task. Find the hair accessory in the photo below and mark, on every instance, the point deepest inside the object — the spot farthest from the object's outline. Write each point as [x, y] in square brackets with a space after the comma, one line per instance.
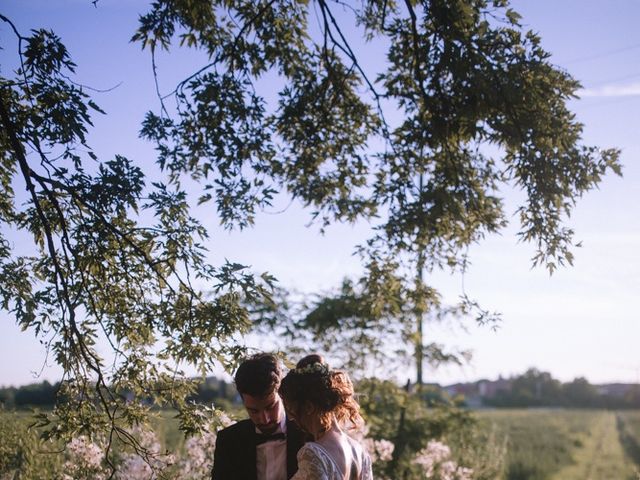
[315, 367]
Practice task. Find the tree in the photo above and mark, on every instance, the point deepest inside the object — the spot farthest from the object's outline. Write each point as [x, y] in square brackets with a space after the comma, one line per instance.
[402, 144]
[465, 77]
[113, 258]
[580, 393]
[532, 389]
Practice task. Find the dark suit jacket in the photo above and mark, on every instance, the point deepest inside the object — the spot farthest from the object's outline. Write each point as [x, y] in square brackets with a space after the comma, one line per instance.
[235, 454]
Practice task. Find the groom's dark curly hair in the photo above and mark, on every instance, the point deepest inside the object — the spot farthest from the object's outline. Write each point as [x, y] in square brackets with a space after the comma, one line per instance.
[259, 375]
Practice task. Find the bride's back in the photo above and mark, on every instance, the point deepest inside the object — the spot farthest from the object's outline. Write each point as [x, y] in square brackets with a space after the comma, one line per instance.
[345, 452]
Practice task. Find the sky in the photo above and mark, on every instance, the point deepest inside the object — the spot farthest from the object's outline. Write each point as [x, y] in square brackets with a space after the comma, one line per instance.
[582, 321]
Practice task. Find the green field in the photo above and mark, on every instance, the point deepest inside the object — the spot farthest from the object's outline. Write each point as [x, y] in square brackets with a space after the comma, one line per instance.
[541, 444]
[568, 444]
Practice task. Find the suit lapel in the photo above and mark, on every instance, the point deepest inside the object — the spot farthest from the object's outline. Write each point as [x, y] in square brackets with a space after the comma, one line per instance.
[247, 456]
[295, 440]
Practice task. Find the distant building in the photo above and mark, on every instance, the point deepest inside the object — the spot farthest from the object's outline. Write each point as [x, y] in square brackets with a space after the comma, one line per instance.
[482, 392]
[617, 390]
[476, 393]
[491, 388]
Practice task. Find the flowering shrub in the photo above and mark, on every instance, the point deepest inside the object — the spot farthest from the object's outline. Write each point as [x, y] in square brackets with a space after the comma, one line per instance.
[197, 462]
[147, 464]
[435, 461]
[134, 467]
[84, 460]
[380, 450]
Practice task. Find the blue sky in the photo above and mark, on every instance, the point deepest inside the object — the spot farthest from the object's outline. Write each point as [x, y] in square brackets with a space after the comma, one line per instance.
[582, 321]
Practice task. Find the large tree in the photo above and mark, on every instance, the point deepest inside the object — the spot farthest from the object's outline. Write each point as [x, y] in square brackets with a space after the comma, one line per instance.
[423, 143]
[419, 142]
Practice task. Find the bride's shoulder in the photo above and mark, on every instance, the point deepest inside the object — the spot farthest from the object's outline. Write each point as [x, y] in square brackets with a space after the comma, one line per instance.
[311, 452]
[313, 461]
[355, 444]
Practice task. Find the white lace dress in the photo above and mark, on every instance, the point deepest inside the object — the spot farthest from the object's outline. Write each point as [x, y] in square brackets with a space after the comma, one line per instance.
[315, 463]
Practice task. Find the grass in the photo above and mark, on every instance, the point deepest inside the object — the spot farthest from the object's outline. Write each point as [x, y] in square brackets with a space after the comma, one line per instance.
[568, 444]
[628, 425]
[21, 449]
[540, 442]
[602, 456]
[166, 427]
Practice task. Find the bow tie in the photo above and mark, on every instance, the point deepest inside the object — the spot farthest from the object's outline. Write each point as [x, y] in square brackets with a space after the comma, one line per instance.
[263, 438]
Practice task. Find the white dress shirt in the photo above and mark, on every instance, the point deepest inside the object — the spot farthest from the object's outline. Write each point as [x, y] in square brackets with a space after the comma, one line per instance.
[271, 456]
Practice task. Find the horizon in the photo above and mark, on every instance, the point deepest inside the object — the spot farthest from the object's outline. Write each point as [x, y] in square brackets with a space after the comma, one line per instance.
[229, 380]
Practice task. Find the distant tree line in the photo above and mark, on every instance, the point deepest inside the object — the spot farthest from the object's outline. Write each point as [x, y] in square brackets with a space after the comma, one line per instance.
[45, 394]
[34, 395]
[539, 389]
[531, 389]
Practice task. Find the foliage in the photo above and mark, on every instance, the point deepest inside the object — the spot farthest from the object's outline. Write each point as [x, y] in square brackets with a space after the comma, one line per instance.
[23, 455]
[461, 73]
[480, 110]
[114, 259]
[368, 326]
[533, 388]
[417, 423]
[502, 445]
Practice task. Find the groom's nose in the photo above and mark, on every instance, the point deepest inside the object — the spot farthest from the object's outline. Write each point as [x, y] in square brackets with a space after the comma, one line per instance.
[265, 417]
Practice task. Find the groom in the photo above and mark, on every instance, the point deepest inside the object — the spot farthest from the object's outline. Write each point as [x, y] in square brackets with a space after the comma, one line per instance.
[263, 447]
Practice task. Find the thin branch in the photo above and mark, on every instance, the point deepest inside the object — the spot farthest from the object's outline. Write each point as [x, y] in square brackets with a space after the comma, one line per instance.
[13, 27]
[155, 80]
[221, 56]
[93, 89]
[122, 236]
[20, 39]
[416, 50]
[346, 49]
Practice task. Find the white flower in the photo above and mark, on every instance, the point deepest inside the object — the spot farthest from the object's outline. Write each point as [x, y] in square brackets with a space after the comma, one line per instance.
[198, 459]
[84, 460]
[144, 467]
[133, 467]
[437, 465]
[83, 450]
[379, 450]
[224, 420]
[464, 473]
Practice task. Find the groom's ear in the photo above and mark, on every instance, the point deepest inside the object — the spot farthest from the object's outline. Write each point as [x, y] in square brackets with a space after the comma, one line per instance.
[309, 408]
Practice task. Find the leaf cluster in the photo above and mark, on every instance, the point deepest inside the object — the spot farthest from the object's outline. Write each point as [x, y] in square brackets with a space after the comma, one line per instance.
[112, 260]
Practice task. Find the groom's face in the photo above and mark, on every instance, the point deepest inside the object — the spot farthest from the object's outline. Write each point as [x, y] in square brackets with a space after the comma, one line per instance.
[265, 412]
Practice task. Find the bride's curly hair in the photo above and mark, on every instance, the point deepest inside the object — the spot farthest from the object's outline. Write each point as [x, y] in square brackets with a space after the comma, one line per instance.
[313, 383]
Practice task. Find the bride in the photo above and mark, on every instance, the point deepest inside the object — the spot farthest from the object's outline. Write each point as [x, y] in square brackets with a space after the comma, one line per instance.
[321, 402]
